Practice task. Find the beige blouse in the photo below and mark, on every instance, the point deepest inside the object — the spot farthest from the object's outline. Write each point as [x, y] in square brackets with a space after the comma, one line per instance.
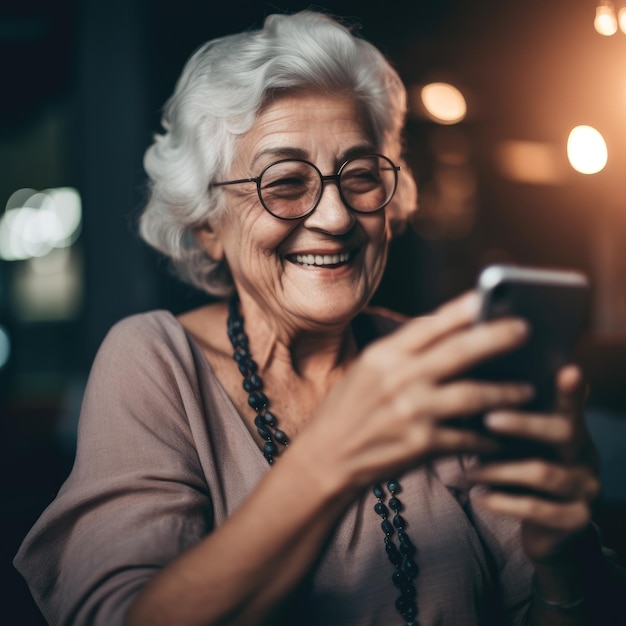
[163, 458]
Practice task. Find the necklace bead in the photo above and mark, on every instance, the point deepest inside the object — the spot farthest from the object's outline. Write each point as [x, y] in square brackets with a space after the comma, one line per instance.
[401, 556]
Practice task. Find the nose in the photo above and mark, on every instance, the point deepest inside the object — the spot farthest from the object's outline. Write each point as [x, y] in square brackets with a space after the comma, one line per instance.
[331, 215]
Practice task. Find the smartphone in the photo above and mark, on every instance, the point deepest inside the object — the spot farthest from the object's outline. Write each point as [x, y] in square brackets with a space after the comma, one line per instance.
[555, 303]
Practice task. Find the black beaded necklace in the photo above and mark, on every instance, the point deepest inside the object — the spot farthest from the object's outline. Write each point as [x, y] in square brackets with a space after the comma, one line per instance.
[402, 555]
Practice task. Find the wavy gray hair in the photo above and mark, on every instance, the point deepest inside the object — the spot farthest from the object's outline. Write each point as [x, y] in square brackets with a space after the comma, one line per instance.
[219, 94]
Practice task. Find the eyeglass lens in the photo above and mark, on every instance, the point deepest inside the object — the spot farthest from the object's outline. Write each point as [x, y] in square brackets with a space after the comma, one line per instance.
[292, 188]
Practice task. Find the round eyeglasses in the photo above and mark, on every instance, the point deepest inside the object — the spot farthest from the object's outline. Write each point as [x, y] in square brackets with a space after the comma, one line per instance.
[291, 189]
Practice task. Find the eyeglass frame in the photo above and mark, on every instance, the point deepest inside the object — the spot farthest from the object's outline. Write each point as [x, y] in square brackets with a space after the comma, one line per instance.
[334, 178]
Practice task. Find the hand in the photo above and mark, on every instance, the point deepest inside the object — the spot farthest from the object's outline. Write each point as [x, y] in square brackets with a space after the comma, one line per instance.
[556, 509]
[389, 412]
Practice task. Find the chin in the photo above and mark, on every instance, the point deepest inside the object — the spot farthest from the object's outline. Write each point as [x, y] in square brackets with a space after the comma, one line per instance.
[335, 312]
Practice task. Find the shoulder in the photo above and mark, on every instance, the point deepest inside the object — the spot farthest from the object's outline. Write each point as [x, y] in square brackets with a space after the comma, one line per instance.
[145, 372]
[143, 340]
[149, 324]
[145, 329]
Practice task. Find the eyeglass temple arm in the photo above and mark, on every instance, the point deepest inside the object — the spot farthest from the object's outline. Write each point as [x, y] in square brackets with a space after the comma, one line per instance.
[335, 177]
[234, 182]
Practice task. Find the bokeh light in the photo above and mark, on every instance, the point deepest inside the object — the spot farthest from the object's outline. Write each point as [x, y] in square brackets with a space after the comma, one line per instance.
[605, 21]
[34, 223]
[586, 150]
[444, 103]
[621, 19]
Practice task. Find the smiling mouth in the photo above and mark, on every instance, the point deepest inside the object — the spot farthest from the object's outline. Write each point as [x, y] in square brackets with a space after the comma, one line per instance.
[321, 260]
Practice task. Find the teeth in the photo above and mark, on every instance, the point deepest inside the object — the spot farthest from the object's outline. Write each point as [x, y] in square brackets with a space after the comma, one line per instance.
[322, 259]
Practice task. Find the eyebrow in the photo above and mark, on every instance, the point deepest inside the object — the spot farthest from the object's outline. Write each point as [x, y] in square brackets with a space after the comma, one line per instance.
[280, 153]
[286, 152]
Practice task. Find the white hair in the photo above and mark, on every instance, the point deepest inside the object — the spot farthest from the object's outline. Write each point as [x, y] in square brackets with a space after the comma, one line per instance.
[219, 94]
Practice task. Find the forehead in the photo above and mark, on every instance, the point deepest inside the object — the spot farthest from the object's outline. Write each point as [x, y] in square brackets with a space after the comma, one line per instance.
[305, 125]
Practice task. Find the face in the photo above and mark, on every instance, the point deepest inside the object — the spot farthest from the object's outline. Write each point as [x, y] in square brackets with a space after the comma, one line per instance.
[318, 271]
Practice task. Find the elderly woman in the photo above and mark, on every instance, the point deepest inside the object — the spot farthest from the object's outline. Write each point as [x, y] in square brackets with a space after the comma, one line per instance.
[284, 455]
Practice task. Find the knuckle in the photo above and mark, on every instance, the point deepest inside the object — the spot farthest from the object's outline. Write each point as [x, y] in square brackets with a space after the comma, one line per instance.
[545, 474]
[563, 431]
[374, 355]
[379, 365]
[387, 385]
[580, 516]
[594, 488]
[497, 335]
[423, 439]
[402, 406]
[534, 509]
[470, 396]
[462, 347]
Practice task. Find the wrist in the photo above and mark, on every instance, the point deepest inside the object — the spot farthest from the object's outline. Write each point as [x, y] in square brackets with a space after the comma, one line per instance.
[562, 604]
[318, 476]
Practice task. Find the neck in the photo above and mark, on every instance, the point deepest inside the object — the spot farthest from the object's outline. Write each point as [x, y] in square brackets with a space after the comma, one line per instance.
[315, 353]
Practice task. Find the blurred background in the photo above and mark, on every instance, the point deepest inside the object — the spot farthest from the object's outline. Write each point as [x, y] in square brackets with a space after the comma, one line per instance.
[516, 135]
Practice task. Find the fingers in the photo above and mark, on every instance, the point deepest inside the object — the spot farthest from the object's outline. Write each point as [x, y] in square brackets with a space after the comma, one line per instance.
[438, 349]
[437, 415]
[566, 517]
[455, 355]
[552, 501]
[564, 430]
[557, 482]
[554, 506]
[445, 344]
[457, 441]
[571, 390]
[421, 332]
[467, 398]
[551, 429]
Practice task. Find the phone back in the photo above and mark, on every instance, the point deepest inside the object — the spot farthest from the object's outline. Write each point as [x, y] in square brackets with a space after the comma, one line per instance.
[555, 303]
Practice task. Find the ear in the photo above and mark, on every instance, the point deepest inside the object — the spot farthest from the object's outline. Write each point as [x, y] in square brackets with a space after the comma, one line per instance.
[210, 242]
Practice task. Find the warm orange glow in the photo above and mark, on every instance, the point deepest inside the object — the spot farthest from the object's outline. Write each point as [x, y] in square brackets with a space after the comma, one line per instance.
[444, 103]
[605, 22]
[586, 150]
[530, 162]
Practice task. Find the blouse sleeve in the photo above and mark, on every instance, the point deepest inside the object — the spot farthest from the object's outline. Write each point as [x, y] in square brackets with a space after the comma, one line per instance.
[136, 496]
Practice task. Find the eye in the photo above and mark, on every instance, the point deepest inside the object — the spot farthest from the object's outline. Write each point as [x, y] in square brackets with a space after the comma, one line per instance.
[286, 186]
[287, 180]
[361, 179]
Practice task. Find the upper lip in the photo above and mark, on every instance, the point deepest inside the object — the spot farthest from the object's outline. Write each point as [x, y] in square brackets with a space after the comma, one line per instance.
[321, 252]
[315, 251]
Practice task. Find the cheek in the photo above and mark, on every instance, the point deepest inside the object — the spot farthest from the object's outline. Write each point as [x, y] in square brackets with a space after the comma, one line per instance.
[376, 253]
[238, 224]
[253, 236]
[379, 233]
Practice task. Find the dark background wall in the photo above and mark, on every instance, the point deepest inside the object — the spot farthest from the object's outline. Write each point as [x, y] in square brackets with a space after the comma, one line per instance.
[82, 85]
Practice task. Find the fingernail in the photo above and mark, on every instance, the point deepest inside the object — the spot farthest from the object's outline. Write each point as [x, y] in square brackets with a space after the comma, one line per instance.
[497, 420]
[521, 327]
